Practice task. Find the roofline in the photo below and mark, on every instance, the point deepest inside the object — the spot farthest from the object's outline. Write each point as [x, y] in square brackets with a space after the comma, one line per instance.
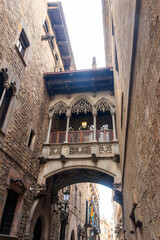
[81, 70]
[59, 4]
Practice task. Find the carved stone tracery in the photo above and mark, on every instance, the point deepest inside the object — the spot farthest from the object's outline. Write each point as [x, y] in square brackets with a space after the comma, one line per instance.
[55, 150]
[103, 106]
[105, 149]
[81, 106]
[60, 108]
[76, 150]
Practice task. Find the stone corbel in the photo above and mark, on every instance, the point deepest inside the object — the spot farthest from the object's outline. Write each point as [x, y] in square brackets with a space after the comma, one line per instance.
[64, 216]
[117, 158]
[118, 196]
[63, 158]
[17, 182]
[94, 158]
[40, 190]
[4, 71]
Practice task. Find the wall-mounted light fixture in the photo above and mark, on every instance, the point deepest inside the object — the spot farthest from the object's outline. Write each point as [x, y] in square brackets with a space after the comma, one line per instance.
[62, 206]
[84, 124]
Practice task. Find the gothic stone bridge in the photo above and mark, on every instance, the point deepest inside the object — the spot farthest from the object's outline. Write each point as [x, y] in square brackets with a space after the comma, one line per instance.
[81, 144]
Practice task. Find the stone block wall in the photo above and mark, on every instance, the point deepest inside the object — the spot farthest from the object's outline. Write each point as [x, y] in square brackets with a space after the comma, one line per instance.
[136, 34]
[29, 110]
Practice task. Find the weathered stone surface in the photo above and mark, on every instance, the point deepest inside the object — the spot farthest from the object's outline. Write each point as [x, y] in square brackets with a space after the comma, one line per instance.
[138, 79]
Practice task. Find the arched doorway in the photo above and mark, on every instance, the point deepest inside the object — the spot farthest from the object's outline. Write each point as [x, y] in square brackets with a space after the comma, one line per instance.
[37, 230]
[72, 235]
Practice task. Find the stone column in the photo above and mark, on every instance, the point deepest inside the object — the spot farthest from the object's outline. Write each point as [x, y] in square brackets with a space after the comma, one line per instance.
[68, 115]
[113, 112]
[94, 114]
[49, 128]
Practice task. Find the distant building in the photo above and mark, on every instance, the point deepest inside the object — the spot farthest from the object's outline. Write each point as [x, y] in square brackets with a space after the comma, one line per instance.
[106, 230]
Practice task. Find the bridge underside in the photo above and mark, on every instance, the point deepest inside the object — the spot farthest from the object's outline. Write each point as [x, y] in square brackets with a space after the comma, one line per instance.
[73, 176]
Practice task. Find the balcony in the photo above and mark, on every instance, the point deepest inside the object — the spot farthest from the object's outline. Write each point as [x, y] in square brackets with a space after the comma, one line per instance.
[81, 131]
[82, 136]
[81, 145]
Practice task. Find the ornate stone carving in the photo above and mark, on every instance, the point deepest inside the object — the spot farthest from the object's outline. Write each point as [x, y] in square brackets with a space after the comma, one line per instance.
[103, 106]
[118, 197]
[105, 149]
[4, 71]
[18, 182]
[76, 150]
[55, 150]
[81, 105]
[40, 190]
[58, 109]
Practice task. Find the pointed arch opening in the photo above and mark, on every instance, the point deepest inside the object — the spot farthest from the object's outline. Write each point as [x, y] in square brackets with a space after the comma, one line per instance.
[104, 121]
[59, 120]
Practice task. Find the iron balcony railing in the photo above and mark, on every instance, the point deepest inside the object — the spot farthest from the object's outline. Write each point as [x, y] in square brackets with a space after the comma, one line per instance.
[82, 136]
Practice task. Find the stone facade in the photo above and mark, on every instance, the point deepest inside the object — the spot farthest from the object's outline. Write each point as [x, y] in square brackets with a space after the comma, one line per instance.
[27, 108]
[106, 230]
[25, 55]
[135, 59]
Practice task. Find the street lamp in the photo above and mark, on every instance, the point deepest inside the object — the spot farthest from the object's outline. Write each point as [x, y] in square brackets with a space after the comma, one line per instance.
[66, 196]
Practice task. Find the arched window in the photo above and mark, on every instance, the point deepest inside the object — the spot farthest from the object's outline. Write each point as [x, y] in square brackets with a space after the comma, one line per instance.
[75, 196]
[5, 105]
[1, 84]
[72, 235]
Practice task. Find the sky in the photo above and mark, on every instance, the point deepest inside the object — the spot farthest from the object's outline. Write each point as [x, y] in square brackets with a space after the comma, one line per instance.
[84, 23]
[106, 206]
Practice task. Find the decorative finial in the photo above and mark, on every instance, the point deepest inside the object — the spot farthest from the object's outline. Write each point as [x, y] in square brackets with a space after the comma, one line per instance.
[94, 64]
[72, 65]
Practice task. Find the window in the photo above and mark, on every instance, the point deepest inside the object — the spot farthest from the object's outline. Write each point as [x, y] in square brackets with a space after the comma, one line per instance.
[56, 57]
[75, 196]
[116, 57]
[31, 140]
[22, 43]
[8, 213]
[122, 110]
[46, 29]
[5, 99]
[80, 200]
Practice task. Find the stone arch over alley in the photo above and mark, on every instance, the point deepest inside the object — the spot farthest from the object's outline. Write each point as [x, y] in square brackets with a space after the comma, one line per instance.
[70, 147]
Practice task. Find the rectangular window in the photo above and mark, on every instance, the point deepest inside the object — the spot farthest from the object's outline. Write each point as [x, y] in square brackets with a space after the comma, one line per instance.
[46, 27]
[80, 200]
[22, 43]
[122, 110]
[8, 213]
